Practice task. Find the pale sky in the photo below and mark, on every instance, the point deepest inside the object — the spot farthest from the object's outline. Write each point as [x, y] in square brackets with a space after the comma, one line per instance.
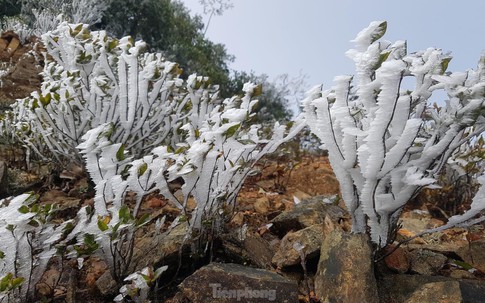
[312, 36]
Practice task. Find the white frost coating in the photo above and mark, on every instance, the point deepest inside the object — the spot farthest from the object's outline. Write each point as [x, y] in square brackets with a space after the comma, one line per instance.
[27, 247]
[384, 141]
[91, 79]
[141, 130]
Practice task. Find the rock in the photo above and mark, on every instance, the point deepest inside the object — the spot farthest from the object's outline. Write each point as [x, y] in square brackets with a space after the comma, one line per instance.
[307, 213]
[227, 283]
[253, 248]
[3, 44]
[107, 285]
[45, 287]
[3, 180]
[310, 238]
[398, 260]
[439, 292]
[301, 195]
[461, 274]
[426, 262]
[258, 250]
[474, 254]
[422, 288]
[345, 270]
[238, 219]
[262, 205]
[13, 45]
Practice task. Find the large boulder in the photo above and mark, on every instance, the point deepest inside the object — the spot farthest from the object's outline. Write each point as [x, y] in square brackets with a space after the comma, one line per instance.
[346, 270]
[227, 283]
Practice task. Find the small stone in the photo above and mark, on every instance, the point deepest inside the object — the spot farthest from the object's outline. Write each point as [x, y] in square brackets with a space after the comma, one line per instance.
[311, 240]
[13, 45]
[426, 262]
[307, 213]
[262, 205]
[48, 282]
[461, 274]
[3, 44]
[300, 195]
[238, 219]
[473, 253]
[398, 260]
[155, 202]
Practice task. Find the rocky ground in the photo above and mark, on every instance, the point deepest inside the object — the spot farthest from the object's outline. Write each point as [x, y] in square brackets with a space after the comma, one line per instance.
[287, 241]
[289, 234]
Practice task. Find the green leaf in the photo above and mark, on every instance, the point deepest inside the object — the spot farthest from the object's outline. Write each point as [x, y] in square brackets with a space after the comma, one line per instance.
[382, 58]
[23, 209]
[180, 150]
[444, 64]
[5, 281]
[232, 130]
[34, 223]
[120, 154]
[143, 220]
[90, 243]
[45, 100]
[103, 223]
[31, 199]
[125, 214]
[379, 32]
[47, 208]
[35, 208]
[2, 254]
[258, 90]
[16, 282]
[462, 264]
[142, 169]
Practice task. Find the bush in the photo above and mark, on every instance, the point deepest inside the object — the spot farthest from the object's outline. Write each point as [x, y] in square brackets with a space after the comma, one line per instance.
[385, 141]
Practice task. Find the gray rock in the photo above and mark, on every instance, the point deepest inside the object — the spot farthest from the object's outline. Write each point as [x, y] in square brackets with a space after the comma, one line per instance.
[474, 254]
[253, 249]
[422, 288]
[307, 213]
[448, 291]
[346, 270]
[426, 262]
[310, 238]
[227, 283]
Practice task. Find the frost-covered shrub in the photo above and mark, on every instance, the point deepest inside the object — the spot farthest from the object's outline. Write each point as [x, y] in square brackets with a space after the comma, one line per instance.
[27, 242]
[217, 150]
[37, 17]
[385, 140]
[139, 284]
[91, 79]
